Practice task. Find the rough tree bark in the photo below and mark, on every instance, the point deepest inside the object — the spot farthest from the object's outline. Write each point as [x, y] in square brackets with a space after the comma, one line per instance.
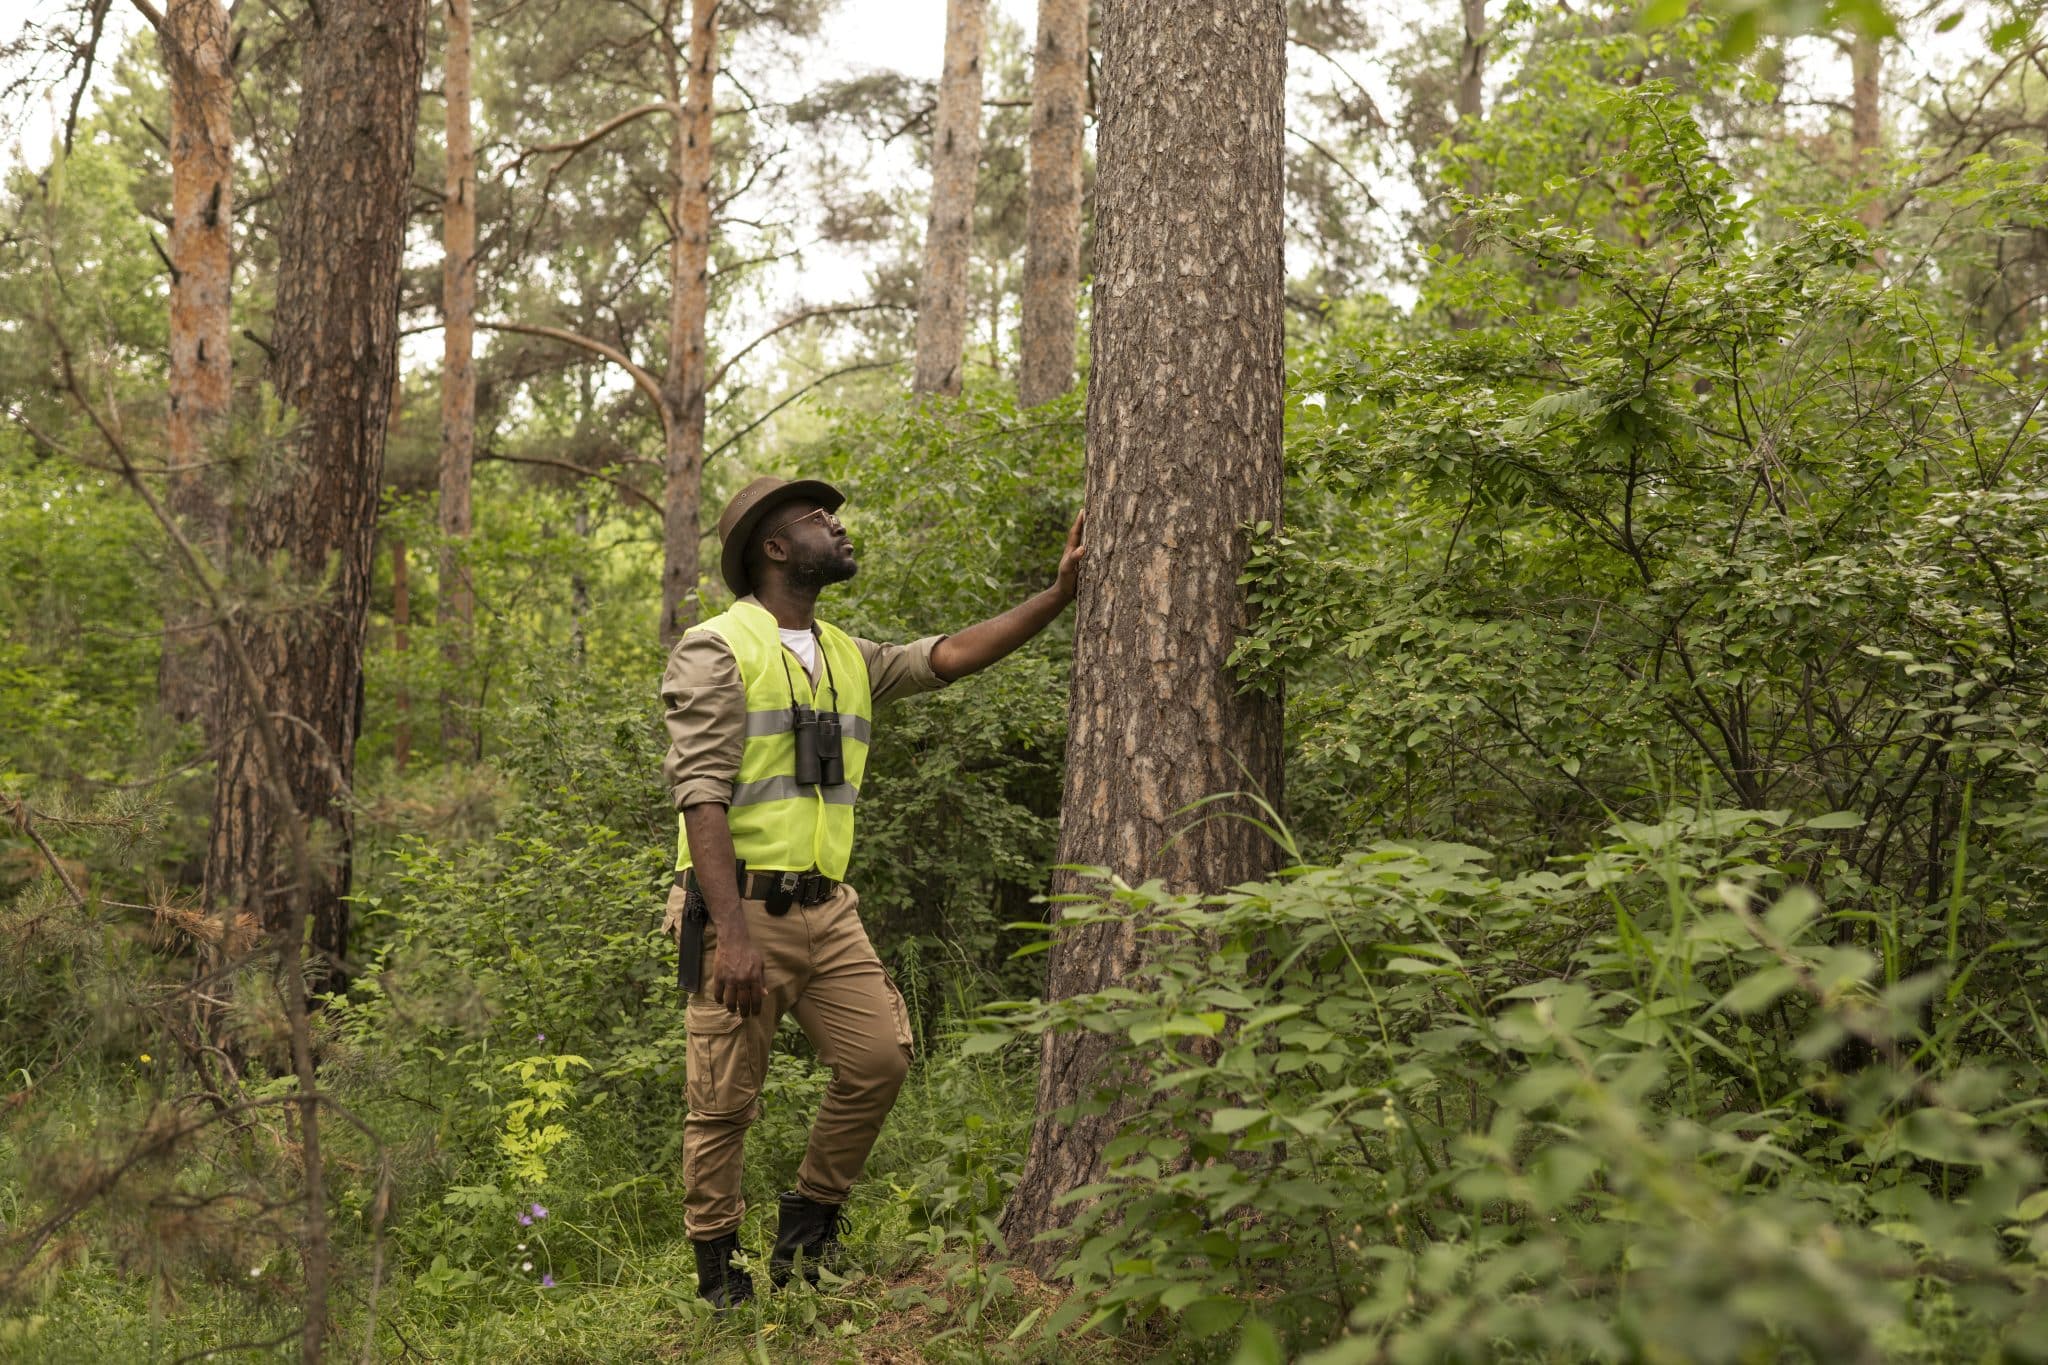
[1052, 247]
[949, 234]
[336, 336]
[195, 44]
[456, 606]
[682, 384]
[1184, 429]
[1866, 67]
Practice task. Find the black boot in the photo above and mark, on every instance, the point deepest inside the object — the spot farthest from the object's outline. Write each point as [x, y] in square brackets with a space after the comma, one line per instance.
[808, 1229]
[718, 1279]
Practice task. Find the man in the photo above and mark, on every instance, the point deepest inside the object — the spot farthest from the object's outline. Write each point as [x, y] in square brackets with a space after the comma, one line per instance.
[769, 717]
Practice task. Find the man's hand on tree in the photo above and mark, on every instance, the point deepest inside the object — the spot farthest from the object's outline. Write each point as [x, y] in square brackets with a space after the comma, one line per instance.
[740, 985]
[1069, 580]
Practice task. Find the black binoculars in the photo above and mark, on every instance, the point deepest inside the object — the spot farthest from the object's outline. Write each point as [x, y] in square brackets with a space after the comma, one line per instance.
[819, 762]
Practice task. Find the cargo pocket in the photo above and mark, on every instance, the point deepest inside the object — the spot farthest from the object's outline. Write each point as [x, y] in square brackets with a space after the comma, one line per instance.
[899, 1014]
[723, 1076]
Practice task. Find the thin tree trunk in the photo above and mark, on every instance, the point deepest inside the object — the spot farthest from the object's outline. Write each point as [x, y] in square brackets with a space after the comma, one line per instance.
[1052, 247]
[336, 333]
[949, 235]
[456, 606]
[689, 303]
[1866, 64]
[579, 584]
[1472, 41]
[1471, 64]
[1184, 449]
[401, 641]
[195, 44]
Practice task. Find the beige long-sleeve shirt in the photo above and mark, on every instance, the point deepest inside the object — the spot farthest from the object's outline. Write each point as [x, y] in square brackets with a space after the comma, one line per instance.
[706, 706]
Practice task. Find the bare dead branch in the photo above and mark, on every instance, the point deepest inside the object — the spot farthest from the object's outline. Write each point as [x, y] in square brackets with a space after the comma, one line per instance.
[794, 320]
[583, 470]
[1331, 157]
[642, 379]
[23, 821]
[576, 144]
[733, 439]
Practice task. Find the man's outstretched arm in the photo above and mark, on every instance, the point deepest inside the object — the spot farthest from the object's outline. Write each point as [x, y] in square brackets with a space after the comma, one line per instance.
[978, 646]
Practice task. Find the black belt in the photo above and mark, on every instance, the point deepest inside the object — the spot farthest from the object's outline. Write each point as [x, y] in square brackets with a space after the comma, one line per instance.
[776, 890]
[780, 890]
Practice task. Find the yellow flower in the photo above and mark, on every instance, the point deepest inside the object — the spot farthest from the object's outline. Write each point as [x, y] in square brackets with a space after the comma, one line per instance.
[145, 1057]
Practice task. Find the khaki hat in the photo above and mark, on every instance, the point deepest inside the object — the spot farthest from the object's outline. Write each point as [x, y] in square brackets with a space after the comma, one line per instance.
[737, 522]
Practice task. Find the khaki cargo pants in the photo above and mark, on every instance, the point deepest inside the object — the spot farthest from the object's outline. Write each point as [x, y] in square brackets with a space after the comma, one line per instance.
[817, 962]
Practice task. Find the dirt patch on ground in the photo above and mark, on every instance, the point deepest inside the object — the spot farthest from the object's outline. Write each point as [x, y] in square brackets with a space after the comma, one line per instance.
[932, 1302]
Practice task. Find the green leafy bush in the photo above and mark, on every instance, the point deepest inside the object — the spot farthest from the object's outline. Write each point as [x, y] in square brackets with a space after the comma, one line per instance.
[1655, 1104]
[1718, 513]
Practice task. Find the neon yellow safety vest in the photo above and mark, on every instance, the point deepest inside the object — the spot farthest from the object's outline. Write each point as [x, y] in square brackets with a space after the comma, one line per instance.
[777, 825]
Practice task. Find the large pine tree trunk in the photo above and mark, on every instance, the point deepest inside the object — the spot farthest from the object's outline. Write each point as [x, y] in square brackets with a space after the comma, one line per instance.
[336, 337]
[1184, 430]
[949, 235]
[194, 40]
[456, 605]
[1052, 248]
[689, 304]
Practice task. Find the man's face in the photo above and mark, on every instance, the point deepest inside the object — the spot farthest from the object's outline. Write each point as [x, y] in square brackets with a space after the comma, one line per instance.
[816, 549]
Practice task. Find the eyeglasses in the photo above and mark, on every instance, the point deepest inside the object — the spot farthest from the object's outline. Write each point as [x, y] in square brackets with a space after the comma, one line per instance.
[831, 522]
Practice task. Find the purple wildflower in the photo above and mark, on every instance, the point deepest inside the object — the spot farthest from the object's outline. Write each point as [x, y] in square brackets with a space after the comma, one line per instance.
[539, 1212]
[540, 1037]
[547, 1282]
[526, 1220]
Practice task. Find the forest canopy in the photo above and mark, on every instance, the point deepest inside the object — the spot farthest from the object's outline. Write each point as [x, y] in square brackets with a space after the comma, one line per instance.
[1530, 843]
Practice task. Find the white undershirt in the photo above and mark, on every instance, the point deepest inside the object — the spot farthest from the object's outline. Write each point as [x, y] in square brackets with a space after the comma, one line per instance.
[804, 645]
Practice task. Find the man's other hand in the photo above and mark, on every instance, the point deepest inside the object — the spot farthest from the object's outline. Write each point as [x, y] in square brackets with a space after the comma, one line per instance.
[740, 985]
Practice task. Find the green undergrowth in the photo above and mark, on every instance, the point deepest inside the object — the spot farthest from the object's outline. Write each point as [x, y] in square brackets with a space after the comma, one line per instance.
[464, 1275]
[1658, 1101]
[1655, 1102]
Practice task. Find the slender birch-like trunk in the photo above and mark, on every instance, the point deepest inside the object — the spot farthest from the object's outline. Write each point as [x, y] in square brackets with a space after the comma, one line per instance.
[949, 234]
[401, 642]
[1866, 67]
[1471, 63]
[456, 605]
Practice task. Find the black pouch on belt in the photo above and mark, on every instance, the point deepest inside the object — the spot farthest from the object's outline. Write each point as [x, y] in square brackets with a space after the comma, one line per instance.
[696, 914]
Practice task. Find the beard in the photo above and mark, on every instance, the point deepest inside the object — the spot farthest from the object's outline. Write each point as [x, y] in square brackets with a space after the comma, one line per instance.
[820, 571]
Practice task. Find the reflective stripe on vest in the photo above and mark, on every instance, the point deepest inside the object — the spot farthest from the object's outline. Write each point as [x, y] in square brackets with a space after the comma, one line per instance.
[777, 824]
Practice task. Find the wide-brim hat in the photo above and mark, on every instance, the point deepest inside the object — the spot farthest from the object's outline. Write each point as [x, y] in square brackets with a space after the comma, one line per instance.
[737, 522]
